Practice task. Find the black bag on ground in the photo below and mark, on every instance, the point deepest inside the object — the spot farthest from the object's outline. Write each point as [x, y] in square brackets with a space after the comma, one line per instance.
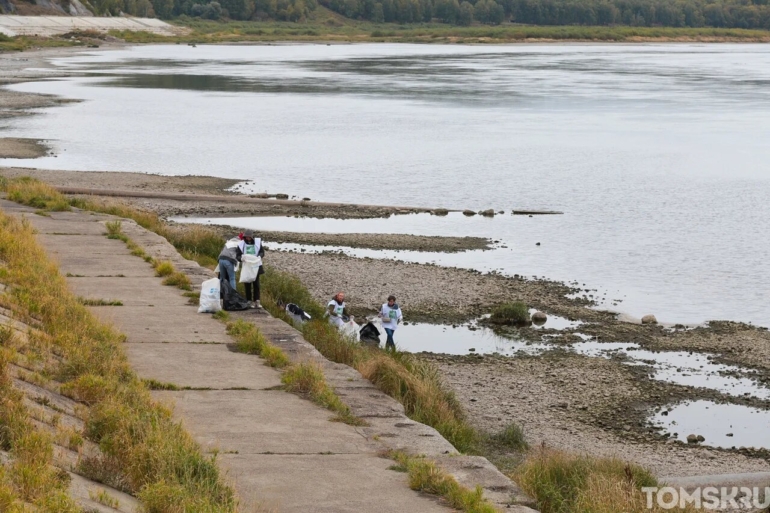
[232, 301]
[370, 334]
[297, 313]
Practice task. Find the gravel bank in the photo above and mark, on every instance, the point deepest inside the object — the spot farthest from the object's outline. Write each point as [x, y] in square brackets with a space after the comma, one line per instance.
[425, 292]
[554, 399]
[383, 241]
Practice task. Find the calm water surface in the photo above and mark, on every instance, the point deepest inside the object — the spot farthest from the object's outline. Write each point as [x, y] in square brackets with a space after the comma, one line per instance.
[657, 154]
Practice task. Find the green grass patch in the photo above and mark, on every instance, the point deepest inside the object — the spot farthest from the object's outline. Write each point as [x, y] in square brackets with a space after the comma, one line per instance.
[163, 268]
[511, 437]
[36, 194]
[153, 384]
[425, 476]
[178, 279]
[114, 227]
[100, 302]
[308, 379]
[250, 340]
[510, 313]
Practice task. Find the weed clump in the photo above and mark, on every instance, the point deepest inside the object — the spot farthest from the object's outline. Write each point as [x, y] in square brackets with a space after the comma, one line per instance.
[510, 313]
[178, 279]
[250, 340]
[562, 482]
[163, 268]
[426, 477]
[36, 194]
[308, 379]
[511, 437]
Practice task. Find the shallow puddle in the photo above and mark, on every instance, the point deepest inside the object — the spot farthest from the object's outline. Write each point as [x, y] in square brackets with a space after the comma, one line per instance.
[680, 367]
[462, 340]
[722, 425]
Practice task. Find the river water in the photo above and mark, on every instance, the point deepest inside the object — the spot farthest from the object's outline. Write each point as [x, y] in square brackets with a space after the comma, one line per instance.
[657, 154]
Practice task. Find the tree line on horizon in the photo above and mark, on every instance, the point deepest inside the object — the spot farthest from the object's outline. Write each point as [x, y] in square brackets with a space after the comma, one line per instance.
[747, 14]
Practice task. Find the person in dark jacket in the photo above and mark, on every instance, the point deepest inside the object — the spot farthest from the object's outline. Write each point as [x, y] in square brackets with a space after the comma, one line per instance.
[229, 257]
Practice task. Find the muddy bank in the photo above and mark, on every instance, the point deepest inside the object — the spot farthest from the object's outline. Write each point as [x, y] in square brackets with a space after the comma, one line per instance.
[18, 148]
[383, 241]
[139, 182]
[591, 405]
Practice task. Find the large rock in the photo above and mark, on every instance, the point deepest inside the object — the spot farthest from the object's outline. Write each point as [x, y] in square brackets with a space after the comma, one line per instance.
[487, 213]
[693, 439]
[649, 319]
[469, 213]
[539, 318]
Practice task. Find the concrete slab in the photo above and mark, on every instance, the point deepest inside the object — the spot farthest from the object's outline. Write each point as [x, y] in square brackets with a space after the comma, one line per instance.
[131, 291]
[201, 365]
[407, 435]
[163, 323]
[257, 422]
[350, 484]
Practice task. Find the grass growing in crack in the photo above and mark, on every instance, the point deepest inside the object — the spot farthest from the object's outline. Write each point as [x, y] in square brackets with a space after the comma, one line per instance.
[163, 268]
[100, 302]
[114, 227]
[308, 379]
[153, 384]
[304, 378]
[103, 497]
[249, 340]
[568, 483]
[426, 477]
[143, 447]
[178, 279]
[510, 313]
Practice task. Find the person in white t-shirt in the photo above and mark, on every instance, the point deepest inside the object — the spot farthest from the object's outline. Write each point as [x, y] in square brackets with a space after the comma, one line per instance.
[336, 308]
[391, 316]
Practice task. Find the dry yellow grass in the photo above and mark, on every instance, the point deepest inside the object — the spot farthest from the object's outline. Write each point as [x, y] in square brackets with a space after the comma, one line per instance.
[155, 458]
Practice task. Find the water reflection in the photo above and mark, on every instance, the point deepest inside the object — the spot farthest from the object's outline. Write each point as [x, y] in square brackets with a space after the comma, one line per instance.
[722, 425]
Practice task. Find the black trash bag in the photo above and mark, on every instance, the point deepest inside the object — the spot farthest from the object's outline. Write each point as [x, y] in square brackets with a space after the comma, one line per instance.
[232, 301]
[297, 313]
[369, 334]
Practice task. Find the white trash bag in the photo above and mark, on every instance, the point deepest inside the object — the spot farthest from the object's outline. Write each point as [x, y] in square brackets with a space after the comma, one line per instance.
[209, 302]
[350, 329]
[251, 265]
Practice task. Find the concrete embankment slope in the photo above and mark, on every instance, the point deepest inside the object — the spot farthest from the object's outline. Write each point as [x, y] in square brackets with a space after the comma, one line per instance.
[47, 26]
[280, 451]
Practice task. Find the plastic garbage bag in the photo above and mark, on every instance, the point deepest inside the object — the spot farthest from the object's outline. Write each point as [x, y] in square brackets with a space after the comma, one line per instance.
[350, 329]
[232, 300]
[369, 334]
[251, 265]
[209, 301]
